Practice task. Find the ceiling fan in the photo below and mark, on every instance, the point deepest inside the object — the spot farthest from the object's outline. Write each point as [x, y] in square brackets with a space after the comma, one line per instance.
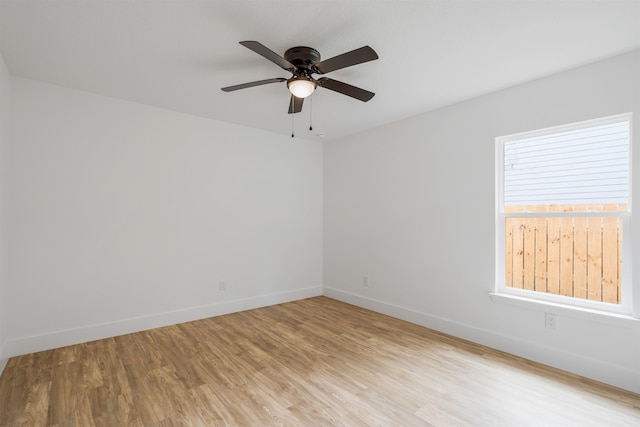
[304, 61]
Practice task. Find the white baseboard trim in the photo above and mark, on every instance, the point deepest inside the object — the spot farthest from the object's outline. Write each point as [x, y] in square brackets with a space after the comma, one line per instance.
[571, 362]
[32, 344]
[3, 357]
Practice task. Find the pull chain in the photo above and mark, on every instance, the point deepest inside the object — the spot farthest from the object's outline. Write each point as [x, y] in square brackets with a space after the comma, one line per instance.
[292, 115]
[310, 112]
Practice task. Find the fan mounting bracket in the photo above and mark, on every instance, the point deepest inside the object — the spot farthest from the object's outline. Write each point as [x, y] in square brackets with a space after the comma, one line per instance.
[302, 57]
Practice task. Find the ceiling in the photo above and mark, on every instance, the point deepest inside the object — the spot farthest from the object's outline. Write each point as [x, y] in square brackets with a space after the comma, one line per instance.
[178, 54]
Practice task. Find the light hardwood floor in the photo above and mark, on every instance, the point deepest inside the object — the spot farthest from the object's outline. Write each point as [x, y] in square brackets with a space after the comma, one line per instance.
[314, 362]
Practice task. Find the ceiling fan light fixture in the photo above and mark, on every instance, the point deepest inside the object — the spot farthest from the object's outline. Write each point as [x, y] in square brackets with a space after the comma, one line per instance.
[302, 62]
[301, 86]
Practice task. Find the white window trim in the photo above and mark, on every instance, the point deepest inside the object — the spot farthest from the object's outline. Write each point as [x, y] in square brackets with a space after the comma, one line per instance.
[629, 308]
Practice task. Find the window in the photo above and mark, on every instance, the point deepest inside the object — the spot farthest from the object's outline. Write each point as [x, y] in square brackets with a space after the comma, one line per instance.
[563, 214]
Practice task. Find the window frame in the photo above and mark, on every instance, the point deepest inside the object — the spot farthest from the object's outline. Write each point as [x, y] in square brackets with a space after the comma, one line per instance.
[626, 307]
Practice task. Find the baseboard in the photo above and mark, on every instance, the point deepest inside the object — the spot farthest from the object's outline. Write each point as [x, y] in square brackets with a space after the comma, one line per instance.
[3, 357]
[571, 362]
[32, 344]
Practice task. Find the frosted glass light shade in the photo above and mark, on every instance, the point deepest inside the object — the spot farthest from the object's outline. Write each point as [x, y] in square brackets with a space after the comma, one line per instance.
[301, 88]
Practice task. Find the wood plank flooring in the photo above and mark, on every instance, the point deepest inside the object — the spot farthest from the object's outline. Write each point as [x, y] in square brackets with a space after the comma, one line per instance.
[314, 362]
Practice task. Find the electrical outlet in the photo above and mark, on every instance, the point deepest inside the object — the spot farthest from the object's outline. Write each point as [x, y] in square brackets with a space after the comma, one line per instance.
[365, 281]
[222, 286]
[550, 321]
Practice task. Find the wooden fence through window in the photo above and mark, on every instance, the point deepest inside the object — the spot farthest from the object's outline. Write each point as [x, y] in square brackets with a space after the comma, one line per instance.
[579, 257]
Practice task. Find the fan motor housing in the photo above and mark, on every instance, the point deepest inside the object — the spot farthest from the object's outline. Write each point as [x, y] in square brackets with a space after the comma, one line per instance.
[302, 56]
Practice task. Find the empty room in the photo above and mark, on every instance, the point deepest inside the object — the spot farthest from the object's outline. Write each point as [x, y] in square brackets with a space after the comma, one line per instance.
[319, 213]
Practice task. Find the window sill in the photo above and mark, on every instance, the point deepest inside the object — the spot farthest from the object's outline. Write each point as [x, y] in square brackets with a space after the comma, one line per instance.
[615, 319]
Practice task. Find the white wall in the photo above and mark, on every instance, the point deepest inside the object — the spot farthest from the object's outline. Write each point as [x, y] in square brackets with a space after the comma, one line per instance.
[125, 217]
[5, 93]
[411, 206]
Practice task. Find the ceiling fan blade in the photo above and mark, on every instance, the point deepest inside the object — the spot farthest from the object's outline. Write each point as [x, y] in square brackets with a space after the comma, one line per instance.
[264, 51]
[295, 104]
[354, 57]
[346, 89]
[252, 84]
